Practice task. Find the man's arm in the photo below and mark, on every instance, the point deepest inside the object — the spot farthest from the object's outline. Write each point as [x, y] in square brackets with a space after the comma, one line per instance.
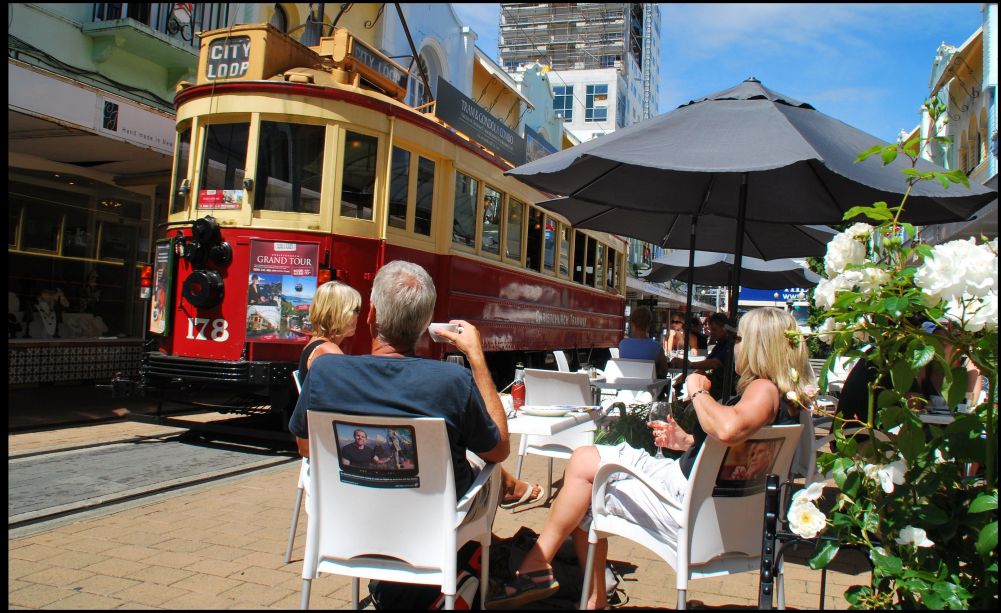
[468, 342]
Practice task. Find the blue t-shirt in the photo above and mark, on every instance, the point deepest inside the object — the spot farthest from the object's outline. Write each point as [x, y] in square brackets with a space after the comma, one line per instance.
[639, 349]
[402, 387]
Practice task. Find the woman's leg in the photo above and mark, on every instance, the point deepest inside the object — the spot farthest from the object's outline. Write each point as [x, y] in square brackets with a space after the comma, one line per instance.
[598, 598]
[567, 511]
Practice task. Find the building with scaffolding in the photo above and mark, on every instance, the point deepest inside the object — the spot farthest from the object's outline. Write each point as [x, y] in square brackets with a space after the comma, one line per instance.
[604, 59]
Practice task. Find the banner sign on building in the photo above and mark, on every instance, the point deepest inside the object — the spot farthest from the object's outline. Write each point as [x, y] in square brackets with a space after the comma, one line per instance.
[536, 146]
[281, 288]
[788, 294]
[465, 115]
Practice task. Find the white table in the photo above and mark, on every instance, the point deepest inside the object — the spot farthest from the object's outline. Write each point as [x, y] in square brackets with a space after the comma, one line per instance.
[547, 426]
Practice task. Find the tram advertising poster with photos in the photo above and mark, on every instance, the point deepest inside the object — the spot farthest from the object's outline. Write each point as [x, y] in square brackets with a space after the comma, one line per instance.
[280, 289]
[163, 267]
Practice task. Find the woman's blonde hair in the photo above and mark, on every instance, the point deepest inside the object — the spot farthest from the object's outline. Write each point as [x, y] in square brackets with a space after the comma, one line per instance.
[333, 306]
[766, 352]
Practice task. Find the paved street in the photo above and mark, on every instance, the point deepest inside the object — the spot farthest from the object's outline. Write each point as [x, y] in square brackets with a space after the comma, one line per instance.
[221, 546]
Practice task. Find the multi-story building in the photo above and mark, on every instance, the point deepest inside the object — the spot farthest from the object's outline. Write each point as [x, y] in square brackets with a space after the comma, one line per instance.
[965, 80]
[604, 59]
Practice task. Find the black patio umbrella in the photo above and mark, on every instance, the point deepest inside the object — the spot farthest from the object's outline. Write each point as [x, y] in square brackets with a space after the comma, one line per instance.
[749, 153]
[717, 268]
[763, 240]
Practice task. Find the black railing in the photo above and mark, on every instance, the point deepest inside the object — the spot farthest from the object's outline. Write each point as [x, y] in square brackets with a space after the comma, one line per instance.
[177, 20]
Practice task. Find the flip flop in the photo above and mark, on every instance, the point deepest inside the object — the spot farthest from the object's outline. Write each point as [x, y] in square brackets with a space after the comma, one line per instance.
[526, 590]
[526, 498]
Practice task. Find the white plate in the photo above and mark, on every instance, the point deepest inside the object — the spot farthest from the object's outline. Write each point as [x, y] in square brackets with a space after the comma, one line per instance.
[545, 411]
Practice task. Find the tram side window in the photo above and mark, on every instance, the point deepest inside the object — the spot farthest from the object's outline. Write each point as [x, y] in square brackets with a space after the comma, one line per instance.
[564, 250]
[599, 266]
[289, 167]
[181, 155]
[358, 188]
[548, 260]
[464, 210]
[490, 240]
[533, 257]
[579, 252]
[592, 248]
[224, 158]
[612, 270]
[425, 196]
[515, 221]
[399, 188]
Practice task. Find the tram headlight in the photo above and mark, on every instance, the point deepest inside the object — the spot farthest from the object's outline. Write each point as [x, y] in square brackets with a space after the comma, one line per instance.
[204, 289]
[206, 243]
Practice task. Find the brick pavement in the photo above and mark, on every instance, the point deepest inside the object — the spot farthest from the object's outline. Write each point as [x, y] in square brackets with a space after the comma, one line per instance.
[221, 546]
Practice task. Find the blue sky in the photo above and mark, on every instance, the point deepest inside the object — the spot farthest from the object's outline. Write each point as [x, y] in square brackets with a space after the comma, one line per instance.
[865, 64]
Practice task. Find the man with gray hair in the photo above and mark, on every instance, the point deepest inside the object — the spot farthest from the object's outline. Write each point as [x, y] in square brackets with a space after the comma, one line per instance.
[392, 381]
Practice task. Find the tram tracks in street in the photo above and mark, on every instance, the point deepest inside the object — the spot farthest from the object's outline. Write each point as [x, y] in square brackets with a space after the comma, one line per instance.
[52, 486]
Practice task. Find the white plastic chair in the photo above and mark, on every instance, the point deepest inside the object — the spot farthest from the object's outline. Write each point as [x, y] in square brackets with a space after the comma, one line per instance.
[714, 535]
[301, 487]
[562, 364]
[633, 369]
[614, 352]
[406, 532]
[548, 387]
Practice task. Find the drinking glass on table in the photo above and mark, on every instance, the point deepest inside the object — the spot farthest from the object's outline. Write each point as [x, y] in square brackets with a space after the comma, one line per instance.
[658, 419]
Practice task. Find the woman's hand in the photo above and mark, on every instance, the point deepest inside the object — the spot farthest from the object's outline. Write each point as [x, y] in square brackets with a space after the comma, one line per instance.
[669, 434]
[695, 382]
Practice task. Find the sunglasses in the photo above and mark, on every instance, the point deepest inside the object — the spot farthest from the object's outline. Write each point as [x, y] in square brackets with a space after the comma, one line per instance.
[677, 322]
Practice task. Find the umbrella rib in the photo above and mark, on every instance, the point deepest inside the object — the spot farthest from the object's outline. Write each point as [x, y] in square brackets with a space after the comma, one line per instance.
[575, 193]
[799, 229]
[824, 185]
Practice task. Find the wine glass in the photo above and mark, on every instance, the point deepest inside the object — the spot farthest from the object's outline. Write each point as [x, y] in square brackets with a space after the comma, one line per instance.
[658, 418]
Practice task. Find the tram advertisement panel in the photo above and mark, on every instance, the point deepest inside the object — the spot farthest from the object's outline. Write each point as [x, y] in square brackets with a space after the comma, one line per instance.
[163, 266]
[280, 290]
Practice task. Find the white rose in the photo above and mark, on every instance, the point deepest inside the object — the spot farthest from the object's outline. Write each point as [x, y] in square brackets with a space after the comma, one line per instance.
[792, 396]
[888, 475]
[872, 279]
[909, 535]
[860, 334]
[827, 289]
[808, 494]
[860, 231]
[842, 251]
[974, 314]
[957, 268]
[806, 520]
[826, 331]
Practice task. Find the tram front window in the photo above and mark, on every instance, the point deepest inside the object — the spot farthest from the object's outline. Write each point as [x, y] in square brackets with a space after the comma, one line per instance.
[289, 167]
[179, 201]
[224, 159]
[358, 191]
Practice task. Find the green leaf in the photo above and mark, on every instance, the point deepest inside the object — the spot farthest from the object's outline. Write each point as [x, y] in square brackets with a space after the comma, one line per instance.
[868, 152]
[879, 214]
[920, 354]
[957, 388]
[887, 564]
[932, 515]
[826, 553]
[902, 375]
[984, 502]
[943, 179]
[988, 540]
[844, 299]
[889, 154]
[911, 442]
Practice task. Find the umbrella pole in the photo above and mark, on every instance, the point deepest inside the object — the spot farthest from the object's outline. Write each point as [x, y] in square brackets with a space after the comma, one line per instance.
[688, 297]
[738, 258]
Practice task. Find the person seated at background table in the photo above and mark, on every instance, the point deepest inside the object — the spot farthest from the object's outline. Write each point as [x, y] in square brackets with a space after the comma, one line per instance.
[638, 345]
[764, 359]
[393, 381]
[675, 339]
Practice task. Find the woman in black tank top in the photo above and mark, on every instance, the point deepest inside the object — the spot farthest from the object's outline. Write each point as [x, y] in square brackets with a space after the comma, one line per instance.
[774, 375]
[334, 317]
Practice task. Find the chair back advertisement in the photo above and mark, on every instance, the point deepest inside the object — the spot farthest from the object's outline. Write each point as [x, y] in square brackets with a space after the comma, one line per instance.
[377, 456]
[745, 467]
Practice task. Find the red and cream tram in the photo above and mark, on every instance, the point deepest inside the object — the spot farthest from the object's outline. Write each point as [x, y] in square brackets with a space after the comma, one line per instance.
[295, 165]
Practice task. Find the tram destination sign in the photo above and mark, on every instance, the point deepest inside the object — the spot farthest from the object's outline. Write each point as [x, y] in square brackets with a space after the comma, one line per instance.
[464, 114]
[228, 58]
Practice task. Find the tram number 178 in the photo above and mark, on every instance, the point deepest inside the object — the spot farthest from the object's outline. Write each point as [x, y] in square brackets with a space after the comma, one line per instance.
[197, 327]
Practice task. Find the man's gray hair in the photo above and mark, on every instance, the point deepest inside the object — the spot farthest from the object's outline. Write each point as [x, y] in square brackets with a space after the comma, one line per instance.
[403, 295]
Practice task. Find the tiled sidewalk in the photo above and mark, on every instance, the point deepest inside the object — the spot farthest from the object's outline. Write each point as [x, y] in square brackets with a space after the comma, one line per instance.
[221, 546]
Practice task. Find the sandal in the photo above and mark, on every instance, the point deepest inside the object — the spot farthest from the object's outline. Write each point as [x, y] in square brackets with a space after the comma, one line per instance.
[526, 590]
[526, 498]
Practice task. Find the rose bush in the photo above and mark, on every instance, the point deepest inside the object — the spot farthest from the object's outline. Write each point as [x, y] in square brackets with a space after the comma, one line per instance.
[923, 502]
